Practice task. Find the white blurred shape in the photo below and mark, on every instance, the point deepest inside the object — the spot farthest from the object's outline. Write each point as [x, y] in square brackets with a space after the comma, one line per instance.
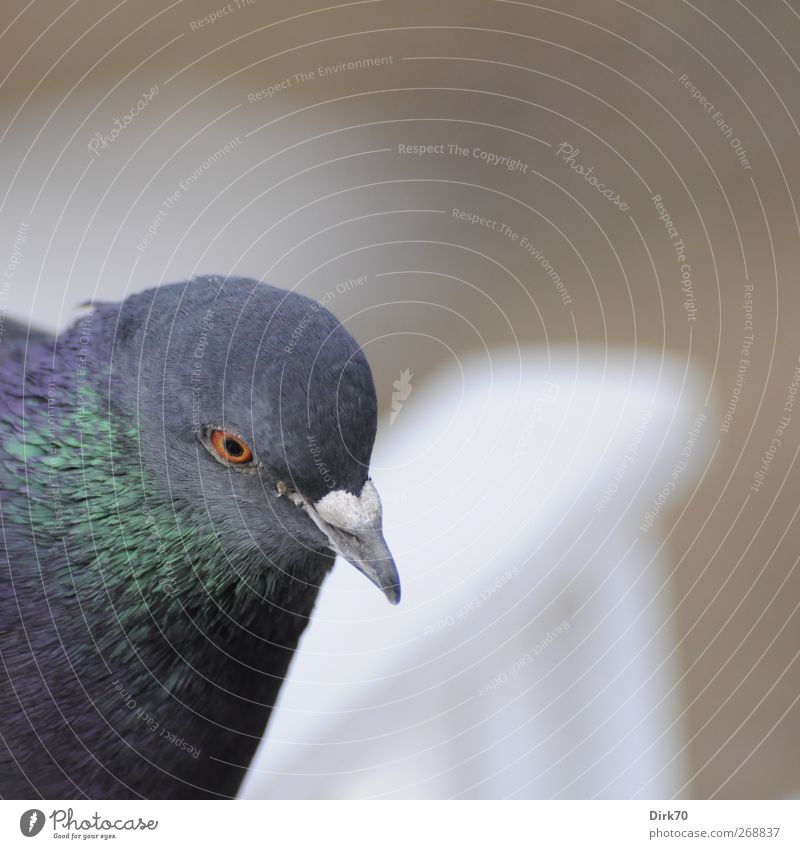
[533, 654]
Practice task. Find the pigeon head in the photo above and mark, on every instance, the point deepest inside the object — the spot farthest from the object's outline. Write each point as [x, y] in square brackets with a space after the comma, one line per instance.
[256, 412]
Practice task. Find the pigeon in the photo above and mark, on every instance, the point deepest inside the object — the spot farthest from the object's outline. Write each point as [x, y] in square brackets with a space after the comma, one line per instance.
[178, 473]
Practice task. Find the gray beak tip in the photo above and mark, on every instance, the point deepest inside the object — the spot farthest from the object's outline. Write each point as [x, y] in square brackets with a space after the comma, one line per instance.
[381, 570]
[392, 593]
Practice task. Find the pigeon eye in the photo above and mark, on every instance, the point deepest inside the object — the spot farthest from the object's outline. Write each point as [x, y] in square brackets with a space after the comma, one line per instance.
[230, 447]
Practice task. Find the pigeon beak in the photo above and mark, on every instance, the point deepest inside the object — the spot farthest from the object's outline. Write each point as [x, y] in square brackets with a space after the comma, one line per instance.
[353, 526]
[366, 549]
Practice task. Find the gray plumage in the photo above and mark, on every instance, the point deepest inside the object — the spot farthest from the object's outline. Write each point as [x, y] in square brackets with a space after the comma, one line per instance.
[152, 589]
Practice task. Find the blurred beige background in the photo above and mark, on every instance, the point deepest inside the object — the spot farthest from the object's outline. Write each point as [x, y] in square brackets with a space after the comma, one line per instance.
[308, 187]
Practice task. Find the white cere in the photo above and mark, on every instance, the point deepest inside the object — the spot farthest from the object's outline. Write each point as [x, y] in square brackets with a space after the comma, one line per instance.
[344, 510]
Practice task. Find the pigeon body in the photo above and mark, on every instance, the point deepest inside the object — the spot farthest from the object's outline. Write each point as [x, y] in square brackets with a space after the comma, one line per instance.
[167, 470]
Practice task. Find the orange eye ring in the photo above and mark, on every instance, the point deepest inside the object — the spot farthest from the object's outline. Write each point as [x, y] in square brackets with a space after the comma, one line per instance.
[230, 447]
